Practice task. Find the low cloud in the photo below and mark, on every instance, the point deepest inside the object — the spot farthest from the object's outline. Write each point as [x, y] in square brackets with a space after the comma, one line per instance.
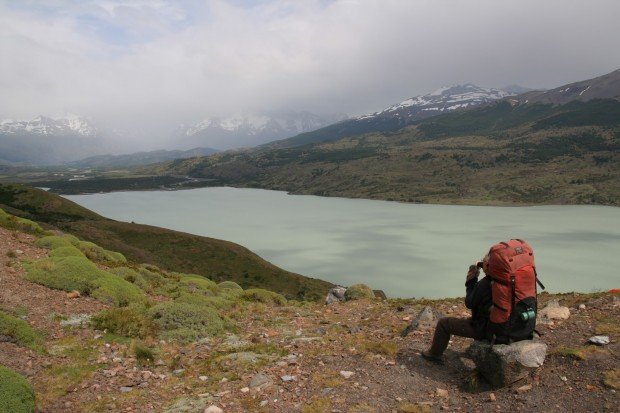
[160, 62]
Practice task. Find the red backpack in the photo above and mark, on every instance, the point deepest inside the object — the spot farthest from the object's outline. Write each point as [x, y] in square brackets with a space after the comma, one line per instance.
[513, 314]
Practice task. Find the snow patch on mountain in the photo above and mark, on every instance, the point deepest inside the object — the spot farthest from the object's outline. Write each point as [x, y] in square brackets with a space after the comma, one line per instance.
[47, 126]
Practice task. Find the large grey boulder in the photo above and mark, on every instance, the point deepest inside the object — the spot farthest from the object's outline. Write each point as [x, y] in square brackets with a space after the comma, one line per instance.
[336, 294]
[502, 364]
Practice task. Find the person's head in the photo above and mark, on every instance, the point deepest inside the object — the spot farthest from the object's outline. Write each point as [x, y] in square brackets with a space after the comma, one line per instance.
[485, 263]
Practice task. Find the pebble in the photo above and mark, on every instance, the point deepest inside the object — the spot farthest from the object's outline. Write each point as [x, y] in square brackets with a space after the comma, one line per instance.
[289, 378]
[346, 374]
[178, 372]
[245, 390]
[599, 340]
[441, 392]
[524, 389]
[563, 378]
[213, 409]
[263, 403]
[582, 306]
[203, 378]
[126, 389]
[492, 397]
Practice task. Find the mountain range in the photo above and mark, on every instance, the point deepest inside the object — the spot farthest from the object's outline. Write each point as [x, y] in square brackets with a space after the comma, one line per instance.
[247, 130]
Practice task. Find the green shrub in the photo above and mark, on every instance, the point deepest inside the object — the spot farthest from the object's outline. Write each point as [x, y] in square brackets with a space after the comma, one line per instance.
[219, 303]
[126, 321]
[187, 322]
[96, 253]
[197, 284]
[55, 241]
[9, 221]
[16, 394]
[263, 296]
[70, 251]
[78, 273]
[19, 331]
[229, 285]
[357, 291]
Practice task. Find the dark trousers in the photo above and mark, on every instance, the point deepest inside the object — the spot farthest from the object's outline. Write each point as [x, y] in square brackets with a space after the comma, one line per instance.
[445, 328]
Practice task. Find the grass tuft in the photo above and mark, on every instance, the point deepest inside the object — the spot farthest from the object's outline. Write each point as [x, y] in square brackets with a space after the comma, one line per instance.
[125, 321]
[263, 296]
[187, 322]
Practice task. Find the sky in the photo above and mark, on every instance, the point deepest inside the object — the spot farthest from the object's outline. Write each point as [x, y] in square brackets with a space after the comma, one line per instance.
[159, 62]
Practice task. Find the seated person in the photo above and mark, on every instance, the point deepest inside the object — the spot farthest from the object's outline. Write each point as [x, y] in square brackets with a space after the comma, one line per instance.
[478, 300]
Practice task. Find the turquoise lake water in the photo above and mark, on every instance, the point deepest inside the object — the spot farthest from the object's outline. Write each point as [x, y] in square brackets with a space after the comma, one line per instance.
[407, 250]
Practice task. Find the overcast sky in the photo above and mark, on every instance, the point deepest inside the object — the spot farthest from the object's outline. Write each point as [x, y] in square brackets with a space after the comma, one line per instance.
[174, 61]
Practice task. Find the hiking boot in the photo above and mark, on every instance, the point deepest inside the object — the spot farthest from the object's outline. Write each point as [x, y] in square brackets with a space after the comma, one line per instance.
[428, 356]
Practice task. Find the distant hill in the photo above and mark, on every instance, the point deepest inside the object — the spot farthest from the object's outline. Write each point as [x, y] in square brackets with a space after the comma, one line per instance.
[602, 87]
[502, 153]
[171, 250]
[444, 100]
[138, 158]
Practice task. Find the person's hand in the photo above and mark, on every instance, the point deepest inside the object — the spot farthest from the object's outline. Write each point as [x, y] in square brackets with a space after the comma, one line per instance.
[472, 273]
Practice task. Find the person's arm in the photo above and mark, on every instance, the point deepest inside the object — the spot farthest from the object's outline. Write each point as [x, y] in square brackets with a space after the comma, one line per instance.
[470, 284]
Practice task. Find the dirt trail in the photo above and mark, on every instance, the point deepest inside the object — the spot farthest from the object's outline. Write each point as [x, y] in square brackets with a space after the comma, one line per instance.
[343, 358]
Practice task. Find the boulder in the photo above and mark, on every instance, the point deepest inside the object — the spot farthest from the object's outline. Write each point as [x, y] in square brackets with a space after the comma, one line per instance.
[336, 294]
[357, 291]
[380, 294]
[502, 364]
[425, 320]
[552, 311]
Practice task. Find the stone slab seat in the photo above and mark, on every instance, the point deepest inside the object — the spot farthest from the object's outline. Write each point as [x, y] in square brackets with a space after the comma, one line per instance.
[502, 365]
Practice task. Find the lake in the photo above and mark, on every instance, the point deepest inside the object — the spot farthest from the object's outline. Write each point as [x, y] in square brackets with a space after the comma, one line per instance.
[407, 250]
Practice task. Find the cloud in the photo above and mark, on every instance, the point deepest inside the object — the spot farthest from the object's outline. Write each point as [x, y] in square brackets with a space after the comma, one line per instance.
[171, 61]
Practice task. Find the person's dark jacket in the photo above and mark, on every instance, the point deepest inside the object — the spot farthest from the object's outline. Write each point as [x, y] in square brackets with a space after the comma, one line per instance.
[478, 300]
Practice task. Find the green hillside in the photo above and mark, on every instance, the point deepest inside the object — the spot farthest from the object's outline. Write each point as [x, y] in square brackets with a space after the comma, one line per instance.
[169, 250]
[499, 154]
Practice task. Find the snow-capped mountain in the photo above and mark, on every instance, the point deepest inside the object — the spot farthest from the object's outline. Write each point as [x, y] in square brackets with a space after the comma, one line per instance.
[442, 100]
[46, 126]
[246, 130]
[47, 141]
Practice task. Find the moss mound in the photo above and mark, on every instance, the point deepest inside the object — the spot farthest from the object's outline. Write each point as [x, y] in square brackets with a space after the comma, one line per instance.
[196, 284]
[56, 241]
[19, 332]
[96, 253]
[358, 291]
[229, 285]
[263, 296]
[187, 322]
[78, 273]
[219, 303]
[9, 221]
[16, 394]
[66, 252]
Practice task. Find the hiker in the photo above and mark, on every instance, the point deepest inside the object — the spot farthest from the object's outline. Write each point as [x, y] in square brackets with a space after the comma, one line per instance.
[478, 300]
[503, 303]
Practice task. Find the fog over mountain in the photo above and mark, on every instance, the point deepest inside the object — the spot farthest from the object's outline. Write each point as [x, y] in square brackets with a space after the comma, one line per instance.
[142, 69]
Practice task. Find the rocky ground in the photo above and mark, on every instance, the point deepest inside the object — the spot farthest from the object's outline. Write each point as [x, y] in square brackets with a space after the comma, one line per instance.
[302, 357]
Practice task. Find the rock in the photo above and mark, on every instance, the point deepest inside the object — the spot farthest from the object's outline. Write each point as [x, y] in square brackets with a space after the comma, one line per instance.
[346, 374]
[126, 389]
[426, 319]
[553, 311]
[492, 397]
[73, 294]
[380, 294]
[599, 340]
[248, 357]
[232, 342]
[213, 409]
[178, 372]
[422, 407]
[355, 329]
[441, 392]
[260, 381]
[245, 389]
[203, 378]
[288, 378]
[582, 306]
[19, 252]
[335, 295]
[524, 389]
[358, 291]
[502, 364]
